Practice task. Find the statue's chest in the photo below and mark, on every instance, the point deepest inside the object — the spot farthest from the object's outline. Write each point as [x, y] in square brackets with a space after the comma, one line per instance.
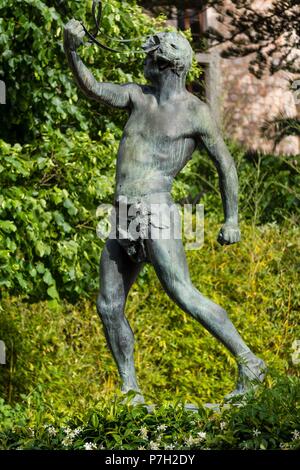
[165, 123]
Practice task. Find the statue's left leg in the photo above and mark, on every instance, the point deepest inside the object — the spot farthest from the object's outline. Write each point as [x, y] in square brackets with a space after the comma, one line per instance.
[117, 274]
[169, 261]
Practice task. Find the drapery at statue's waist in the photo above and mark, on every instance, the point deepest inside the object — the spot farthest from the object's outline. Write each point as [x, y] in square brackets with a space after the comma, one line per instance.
[143, 186]
[145, 200]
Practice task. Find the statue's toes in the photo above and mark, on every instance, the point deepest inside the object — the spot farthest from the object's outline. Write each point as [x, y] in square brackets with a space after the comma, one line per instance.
[137, 399]
[236, 394]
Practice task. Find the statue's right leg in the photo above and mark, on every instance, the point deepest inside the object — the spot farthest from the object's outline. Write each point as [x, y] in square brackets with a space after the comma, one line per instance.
[117, 274]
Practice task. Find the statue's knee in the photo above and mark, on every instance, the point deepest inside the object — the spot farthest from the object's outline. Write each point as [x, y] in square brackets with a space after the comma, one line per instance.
[190, 299]
[107, 309]
[182, 290]
[102, 306]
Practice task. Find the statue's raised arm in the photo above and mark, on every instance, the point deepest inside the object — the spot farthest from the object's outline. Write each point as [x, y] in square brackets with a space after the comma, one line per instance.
[118, 96]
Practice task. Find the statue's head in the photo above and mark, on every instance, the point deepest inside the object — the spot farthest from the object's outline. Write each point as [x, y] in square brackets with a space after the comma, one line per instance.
[168, 50]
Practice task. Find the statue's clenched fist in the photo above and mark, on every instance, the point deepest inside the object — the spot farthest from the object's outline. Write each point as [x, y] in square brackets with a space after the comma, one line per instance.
[229, 234]
[73, 34]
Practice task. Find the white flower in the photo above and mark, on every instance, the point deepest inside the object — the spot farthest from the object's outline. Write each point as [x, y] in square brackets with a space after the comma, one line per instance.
[223, 425]
[31, 430]
[71, 434]
[201, 436]
[162, 427]
[67, 431]
[67, 441]
[76, 432]
[169, 447]
[296, 435]
[143, 432]
[51, 431]
[256, 432]
[190, 441]
[90, 446]
[101, 447]
[141, 448]
[154, 445]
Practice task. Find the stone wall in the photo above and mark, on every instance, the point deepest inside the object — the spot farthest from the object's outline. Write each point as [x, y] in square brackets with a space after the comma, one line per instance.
[247, 102]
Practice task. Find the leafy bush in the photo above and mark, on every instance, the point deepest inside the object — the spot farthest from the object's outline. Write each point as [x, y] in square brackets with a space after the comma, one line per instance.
[269, 185]
[267, 419]
[41, 95]
[51, 186]
[50, 193]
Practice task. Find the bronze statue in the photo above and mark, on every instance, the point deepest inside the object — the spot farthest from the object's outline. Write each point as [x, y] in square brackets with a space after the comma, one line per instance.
[165, 125]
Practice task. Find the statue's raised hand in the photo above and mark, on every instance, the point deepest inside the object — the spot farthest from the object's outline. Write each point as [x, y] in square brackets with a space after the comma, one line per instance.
[229, 234]
[73, 34]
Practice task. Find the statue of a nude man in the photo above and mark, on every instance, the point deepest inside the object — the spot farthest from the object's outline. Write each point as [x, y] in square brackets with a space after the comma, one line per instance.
[166, 124]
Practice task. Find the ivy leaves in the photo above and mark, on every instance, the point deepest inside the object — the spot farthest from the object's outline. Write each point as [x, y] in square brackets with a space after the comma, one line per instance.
[41, 94]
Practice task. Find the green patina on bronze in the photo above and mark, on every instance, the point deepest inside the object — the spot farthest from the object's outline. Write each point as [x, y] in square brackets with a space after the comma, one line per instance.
[165, 125]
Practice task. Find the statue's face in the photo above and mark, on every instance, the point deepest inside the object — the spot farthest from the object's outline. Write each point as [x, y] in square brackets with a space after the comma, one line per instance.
[167, 51]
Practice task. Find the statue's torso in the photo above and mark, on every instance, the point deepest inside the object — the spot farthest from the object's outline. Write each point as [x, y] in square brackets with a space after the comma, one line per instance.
[157, 142]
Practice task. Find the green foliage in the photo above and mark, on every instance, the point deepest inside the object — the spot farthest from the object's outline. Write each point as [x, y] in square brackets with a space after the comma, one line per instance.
[61, 349]
[266, 420]
[268, 185]
[50, 193]
[280, 127]
[41, 95]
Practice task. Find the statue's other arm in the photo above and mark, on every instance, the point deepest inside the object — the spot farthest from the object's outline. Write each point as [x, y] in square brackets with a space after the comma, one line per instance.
[118, 96]
[211, 137]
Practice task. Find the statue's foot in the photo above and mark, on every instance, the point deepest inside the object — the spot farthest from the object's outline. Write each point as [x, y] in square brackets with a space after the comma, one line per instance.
[251, 374]
[135, 399]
